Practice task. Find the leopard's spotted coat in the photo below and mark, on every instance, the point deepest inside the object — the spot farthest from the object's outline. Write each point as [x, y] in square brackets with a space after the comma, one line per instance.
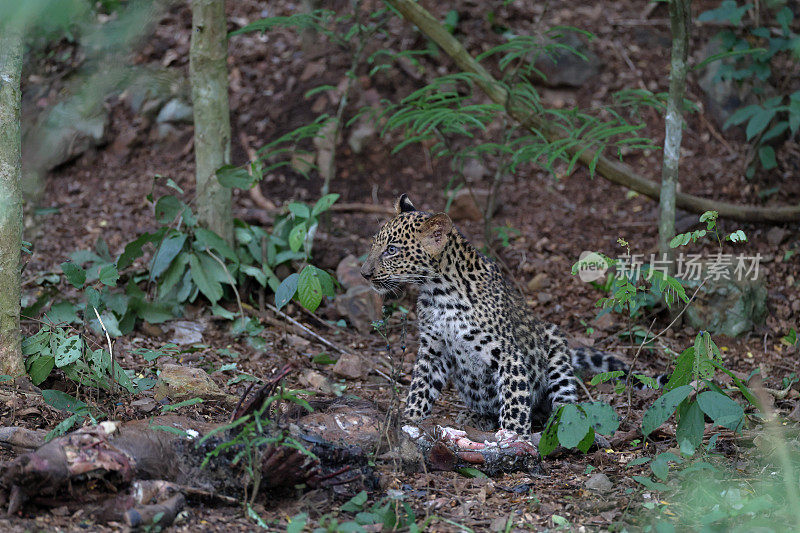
[474, 328]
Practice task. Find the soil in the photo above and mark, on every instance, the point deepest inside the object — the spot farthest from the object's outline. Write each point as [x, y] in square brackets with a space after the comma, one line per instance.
[102, 194]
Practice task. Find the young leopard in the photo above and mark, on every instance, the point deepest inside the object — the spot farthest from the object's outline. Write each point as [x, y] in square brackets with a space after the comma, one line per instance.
[474, 328]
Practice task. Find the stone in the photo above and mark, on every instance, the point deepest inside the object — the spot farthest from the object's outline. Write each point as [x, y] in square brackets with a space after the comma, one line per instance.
[361, 135]
[468, 205]
[146, 405]
[186, 332]
[176, 110]
[599, 482]
[184, 382]
[564, 68]
[361, 306]
[537, 282]
[349, 366]
[776, 236]
[727, 306]
[317, 381]
[348, 272]
[474, 171]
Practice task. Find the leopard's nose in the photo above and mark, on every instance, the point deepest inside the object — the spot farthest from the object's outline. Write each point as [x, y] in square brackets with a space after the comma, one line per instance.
[367, 272]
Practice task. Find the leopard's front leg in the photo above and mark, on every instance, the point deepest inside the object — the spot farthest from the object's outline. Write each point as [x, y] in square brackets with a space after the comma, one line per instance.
[516, 397]
[431, 372]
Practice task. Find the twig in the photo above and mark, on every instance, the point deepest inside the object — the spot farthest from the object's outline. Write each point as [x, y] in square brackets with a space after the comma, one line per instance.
[255, 192]
[110, 351]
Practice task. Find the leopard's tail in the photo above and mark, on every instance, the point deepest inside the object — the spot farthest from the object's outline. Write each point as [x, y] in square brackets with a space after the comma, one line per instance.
[587, 362]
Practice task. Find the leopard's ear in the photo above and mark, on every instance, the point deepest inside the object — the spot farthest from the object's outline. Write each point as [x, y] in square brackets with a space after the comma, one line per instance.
[435, 232]
[403, 205]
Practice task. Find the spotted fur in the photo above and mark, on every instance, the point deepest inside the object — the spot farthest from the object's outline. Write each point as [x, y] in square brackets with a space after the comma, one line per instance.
[474, 328]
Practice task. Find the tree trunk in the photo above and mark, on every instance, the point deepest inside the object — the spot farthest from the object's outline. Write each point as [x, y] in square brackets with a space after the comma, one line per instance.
[212, 129]
[680, 18]
[10, 203]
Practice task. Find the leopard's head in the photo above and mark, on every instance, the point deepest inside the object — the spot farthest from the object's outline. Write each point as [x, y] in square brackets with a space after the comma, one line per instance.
[406, 249]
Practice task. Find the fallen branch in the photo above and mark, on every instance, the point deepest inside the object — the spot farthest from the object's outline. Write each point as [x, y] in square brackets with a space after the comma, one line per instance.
[613, 171]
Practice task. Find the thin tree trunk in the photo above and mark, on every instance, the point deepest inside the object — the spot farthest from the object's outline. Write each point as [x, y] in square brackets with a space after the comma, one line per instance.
[10, 203]
[613, 171]
[680, 19]
[212, 129]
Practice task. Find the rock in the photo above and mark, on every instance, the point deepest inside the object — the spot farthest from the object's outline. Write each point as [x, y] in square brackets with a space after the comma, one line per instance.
[361, 306]
[730, 305]
[176, 110]
[166, 132]
[599, 482]
[361, 135]
[565, 68]
[776, 236]
[537, 282]
[474, 171]
[317, 381]
[348, 272]
[145, 405]
[63, 134]
[721, 98]
[465, 206]
[349, 366]
[183, 382]
[302, 162]
[186, 332]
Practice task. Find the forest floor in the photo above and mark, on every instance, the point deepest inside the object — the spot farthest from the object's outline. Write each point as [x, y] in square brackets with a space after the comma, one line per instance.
[102, 194]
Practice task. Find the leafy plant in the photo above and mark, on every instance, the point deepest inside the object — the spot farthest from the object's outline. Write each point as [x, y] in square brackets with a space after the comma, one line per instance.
[574, 426]
[753, 52]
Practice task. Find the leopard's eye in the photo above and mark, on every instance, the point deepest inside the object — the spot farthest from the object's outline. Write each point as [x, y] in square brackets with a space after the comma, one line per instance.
[391, 250]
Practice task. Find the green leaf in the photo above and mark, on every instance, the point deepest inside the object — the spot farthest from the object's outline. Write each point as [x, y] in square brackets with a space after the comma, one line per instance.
[154, 312]
[663, 407]
[766, 154]
[167, 208]
[69, 350]
[324, 203]
[587, 441]
[297, 236]
[231, 176]
[759, 122]
[40, 369]
[470, 472]
[549, 440]
[167, 252]
[356, 503]
[133, 250]
[602, 417]
[660, 464]
[323, 359]
[256, 273]
[173, 274]
[309, 289]
[649, 483]
[300, 210]
[62, 427]
[209, 239]
[691, 426]
[682, 374]
[210, 287]
[62, 400]
[74, 274]
[740, 116]
[108, 275]
[721, 409]
[62, 313]
[297, 524]
[573, 426]
[286, 290]
[184, 403]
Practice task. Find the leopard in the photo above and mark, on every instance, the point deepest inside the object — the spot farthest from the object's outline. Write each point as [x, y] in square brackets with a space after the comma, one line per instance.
[475, 328]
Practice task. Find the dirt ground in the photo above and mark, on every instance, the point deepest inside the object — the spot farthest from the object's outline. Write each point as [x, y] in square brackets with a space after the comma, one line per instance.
[101, 193]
